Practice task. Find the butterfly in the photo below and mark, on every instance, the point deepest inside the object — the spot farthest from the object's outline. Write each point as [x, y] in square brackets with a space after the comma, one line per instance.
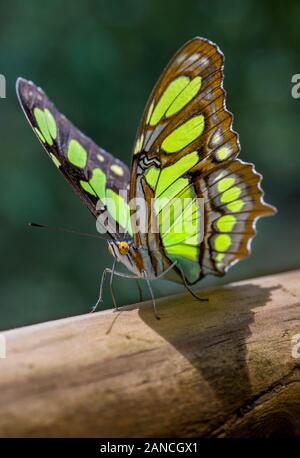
[185, 149]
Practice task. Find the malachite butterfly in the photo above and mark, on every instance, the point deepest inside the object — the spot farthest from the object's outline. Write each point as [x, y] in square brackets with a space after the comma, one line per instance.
[185, 148]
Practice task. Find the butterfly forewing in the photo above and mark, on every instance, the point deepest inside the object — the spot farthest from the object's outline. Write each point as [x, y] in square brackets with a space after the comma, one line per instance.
[95, 175]
[184, 139]
[186, 111]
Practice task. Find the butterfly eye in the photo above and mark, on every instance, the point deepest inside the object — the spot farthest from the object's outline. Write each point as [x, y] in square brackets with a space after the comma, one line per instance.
[123, 247]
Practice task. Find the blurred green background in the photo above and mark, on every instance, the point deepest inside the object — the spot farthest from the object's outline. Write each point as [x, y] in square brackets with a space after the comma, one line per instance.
[98, 61]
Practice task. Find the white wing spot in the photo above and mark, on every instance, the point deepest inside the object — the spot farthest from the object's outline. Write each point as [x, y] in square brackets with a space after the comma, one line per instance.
[217, 137]
[204, 61]
[218, 176]
[193, 58]
[117, 169]
[139, 144]
[190, 60]
[181, 58]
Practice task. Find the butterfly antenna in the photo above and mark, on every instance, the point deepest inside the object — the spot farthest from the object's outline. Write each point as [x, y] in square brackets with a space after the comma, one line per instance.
[69, 231]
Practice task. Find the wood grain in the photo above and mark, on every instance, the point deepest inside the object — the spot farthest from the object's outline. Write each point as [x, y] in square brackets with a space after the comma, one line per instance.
[222, 368]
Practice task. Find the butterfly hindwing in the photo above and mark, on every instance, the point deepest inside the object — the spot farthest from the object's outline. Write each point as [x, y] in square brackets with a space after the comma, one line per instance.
[232, 203]
[184, 139]
[93, 173]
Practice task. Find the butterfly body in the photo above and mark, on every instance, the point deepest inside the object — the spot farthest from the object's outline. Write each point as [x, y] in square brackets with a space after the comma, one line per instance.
[188, 206]
[128, 256]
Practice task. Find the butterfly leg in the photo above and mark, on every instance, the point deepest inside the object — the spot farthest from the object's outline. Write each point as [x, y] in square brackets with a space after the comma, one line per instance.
[151, 290]
[105, 271]
[188, 287]
[112, 272]
[111, 284]
[140, 290]
[152, 296]
[166, 271]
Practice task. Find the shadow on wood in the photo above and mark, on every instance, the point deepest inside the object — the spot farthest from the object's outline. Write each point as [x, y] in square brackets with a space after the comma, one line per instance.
[216, 344]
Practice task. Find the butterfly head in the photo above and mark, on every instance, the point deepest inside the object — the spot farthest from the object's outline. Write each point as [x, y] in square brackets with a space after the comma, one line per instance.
[119, 249]
[125, 252]
[123, 247]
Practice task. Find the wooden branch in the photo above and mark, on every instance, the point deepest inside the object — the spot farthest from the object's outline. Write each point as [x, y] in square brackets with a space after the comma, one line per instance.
[222, 368]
